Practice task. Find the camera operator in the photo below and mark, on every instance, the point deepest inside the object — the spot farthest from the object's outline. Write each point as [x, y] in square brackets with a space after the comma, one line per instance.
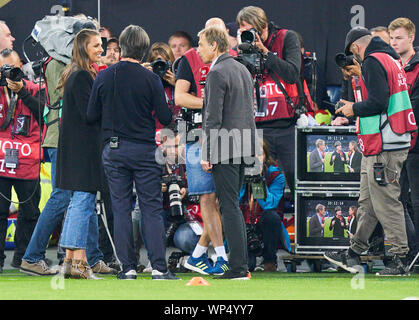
[384, 134]
[20, 147]
[189, 94]
[160, 61]
[263, 213]
[276, 116]
[353, 87]
[124, 97]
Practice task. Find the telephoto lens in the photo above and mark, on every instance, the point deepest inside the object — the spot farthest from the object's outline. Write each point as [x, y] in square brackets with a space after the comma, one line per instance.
[175, 200]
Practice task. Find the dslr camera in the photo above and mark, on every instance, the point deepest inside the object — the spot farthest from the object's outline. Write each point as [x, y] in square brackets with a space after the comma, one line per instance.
[249, 54]
[8, 72]
[160, 67]
[342, 60]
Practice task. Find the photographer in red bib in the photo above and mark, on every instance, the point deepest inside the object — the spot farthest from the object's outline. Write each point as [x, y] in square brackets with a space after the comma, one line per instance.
[283, 96]
[19, 152]
[385, 129]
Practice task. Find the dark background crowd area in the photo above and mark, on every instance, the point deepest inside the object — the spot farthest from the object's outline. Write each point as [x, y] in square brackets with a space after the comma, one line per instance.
[323, 24]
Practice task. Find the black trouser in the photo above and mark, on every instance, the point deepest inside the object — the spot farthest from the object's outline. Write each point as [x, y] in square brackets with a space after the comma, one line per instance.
[27, 217]
[228, 179]
[281, 143]
[409, 179]
[270, 227]
[135, 162]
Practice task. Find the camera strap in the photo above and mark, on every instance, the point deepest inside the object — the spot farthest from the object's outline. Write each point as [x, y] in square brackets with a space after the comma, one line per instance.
[10, 112]
[279, 84]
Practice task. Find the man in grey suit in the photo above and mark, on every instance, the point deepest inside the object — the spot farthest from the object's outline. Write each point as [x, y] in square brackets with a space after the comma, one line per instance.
[316, 159]
[229, 137]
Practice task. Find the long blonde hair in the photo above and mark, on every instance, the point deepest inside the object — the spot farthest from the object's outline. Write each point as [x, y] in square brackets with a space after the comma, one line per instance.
[80, 58]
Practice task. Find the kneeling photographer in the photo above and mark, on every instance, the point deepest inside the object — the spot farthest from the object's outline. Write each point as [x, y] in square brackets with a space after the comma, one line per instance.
[179, 220]
[260, 197]
[20, 151]
[281, 97]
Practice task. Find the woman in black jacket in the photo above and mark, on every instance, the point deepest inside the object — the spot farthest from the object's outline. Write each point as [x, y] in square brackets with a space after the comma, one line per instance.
[79, 154]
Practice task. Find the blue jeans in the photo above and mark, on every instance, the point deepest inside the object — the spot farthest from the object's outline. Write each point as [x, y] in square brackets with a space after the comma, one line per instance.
[80, 226]
[199, 181]
[185, 238]
[52, 214]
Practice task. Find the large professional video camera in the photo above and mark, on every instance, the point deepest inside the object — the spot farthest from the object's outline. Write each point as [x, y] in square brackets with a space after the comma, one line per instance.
[249, 54]
[8, 72]
[258, 185]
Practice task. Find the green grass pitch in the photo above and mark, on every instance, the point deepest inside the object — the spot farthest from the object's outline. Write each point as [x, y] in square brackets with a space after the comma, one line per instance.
[263, 286]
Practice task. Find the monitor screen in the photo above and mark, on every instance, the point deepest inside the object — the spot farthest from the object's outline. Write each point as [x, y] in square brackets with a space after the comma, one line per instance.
[324, 155]
[325, 220]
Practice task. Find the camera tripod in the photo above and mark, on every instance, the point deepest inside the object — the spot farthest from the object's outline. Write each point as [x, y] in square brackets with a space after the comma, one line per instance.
[413, 262]
[102, 213]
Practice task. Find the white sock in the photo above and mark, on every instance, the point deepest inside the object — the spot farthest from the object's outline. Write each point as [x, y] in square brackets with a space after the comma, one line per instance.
[221, 252]
[199, 251]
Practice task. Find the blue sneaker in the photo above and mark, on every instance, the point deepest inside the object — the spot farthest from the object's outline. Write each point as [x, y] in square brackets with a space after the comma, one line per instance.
[200, 265]
[220, 266]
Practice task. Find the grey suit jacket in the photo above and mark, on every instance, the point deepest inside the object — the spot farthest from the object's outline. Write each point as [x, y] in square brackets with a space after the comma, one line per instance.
[316, 164]
[228, 122]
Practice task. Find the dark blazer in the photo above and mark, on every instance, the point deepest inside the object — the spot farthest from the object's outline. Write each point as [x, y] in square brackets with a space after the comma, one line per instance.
[338, 164]
[315, 162]
[355, 163]
[79, 145]
[314, 227]
[228, 104]
[352, 225]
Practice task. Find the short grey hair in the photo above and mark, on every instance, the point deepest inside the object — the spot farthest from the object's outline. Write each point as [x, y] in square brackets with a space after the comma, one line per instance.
[319, 142]
[134, 42]
[216, 34]
[320, 207]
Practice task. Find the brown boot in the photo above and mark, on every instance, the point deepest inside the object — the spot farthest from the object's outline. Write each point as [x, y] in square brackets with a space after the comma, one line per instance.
[269, 267]
[81, 270]
[66, 268]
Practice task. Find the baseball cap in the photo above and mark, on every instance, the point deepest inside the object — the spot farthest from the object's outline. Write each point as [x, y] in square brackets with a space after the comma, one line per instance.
[353, 35]
[232, 28]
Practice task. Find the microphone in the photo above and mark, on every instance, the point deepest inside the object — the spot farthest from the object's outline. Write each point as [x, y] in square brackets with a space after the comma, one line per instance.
[203, 71]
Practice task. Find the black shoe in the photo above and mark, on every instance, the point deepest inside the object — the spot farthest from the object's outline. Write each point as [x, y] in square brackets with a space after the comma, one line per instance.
[350, 263]
[233, 275]
[1, 269]
[16, 263]
[130, 275]
[157, 275]
[396, 267]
